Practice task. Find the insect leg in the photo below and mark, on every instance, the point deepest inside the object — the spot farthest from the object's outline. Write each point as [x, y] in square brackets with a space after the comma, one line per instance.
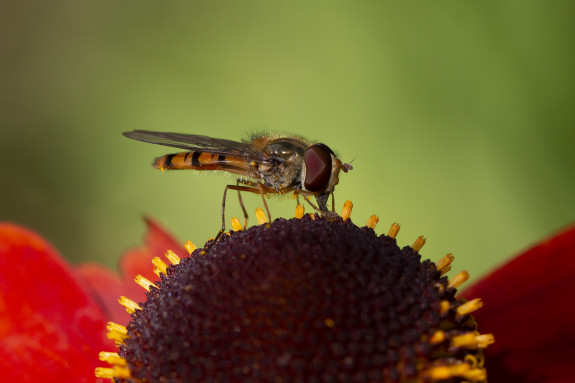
[239, 189]
[223, 229]
[242, 205]
[262, 190]
[324, 212]
[310, 203]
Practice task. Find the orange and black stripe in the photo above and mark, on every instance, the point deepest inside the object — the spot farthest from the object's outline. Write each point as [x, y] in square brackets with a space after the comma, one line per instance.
[198, 160]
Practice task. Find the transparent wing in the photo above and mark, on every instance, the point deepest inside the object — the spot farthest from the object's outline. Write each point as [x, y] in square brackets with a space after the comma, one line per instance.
[196, 142]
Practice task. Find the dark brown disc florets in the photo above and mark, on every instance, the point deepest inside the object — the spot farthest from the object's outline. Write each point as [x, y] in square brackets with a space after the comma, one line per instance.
[303, 300]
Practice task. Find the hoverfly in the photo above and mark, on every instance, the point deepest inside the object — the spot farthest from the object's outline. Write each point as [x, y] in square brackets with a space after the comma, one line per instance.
[265, 164]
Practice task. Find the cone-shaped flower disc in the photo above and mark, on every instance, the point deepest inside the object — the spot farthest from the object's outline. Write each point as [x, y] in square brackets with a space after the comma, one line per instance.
[306, 299]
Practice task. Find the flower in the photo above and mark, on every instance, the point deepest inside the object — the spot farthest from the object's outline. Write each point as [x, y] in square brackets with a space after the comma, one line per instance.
[529, 307]
[50, 328]
[53, 316]
[108, 286]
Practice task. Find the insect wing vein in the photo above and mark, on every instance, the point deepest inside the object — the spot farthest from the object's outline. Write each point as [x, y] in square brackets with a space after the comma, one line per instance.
[194, 142]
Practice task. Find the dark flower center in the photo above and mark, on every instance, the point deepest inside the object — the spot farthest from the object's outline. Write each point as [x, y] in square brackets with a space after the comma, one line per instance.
[301, 300]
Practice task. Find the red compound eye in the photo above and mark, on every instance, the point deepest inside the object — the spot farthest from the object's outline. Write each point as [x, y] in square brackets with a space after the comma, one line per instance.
[318, 167]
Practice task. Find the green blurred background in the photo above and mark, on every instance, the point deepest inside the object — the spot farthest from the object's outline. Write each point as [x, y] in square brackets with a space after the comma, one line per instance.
[458, 115]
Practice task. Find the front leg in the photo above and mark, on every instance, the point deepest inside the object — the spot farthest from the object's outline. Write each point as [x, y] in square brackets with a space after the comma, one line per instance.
[242, 205]
[322, 202]
[262, 190]
[239, 189]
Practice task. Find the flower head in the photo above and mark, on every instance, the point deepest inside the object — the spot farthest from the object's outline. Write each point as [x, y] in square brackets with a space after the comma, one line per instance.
[53, 315]
[301, 299]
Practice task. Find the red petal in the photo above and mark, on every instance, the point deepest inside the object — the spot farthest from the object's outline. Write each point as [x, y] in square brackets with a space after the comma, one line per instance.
[105, 286]
[50, 328]
[108, 287]
[157, 241]
[529, 308]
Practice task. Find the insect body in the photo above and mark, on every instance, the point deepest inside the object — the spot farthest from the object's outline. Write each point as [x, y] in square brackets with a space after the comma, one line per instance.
[275, 165]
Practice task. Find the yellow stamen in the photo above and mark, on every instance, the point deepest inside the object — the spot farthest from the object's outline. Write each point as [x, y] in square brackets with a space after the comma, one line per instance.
[111, 373]
[469, 307]
[440, 287]
[117, 338]
[129, 304]
[112, 326]
[160, 266]
[172, 257]
[476, 375]
[372, 221]
[346, 212]
[261, 216]
[393, 230]
[472, 341]
[236, 224]
[444, 307]
[117, 333]
[418, 244]
[144, 282]
[299, 211]
[458, 280]
[462, 370]
[329, 322]
[437, 337]
[112, 358]
[444, 264]
[190, 247]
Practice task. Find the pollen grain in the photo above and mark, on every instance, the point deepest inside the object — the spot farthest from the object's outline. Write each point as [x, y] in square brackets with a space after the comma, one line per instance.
[261, 216]
[393, 230]
[129, 304]
[299, 211]
[112, 358]
[144, 282]
[456, 370]
[418, 244]
[172, 257]
[117, 333]
[458, 280]
[346, 212]
[437, 337]
[111, 373]
[236, 224]
[160, 266]
[372, 221]
[469, 307]
[190, 247]
[472, 341]
[444, 264]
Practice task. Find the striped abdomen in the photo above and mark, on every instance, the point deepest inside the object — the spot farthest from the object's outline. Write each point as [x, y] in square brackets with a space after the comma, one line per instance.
[198, 160]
